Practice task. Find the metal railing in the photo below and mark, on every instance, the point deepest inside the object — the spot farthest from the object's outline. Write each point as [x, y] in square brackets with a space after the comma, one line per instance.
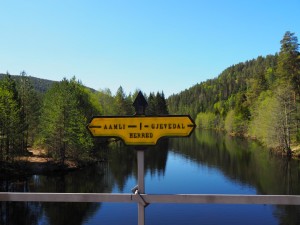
[151, 198]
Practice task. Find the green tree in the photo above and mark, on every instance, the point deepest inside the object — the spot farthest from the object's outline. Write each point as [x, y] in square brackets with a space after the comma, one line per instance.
[123, 103]
[11, 122]
[235, 124]
[151, 109]
[66, 110]
[107, 102]
[288, 71]
[229, 122]
[288, 68]
[272, 120]
[265, 123]
[270, 77]
[206, 120]
[30, 108]
[157, 104]
[161, 105]
[286, 111]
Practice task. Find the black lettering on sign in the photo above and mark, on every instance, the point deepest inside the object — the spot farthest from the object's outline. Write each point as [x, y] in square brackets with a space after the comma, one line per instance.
[140, 135]
[167, 126]
[114, 126]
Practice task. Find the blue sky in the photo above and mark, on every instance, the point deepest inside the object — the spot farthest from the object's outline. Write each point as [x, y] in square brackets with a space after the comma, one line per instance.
[157, 45]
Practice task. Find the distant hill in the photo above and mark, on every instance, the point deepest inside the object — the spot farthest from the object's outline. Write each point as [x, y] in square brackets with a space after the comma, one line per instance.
[40, 85]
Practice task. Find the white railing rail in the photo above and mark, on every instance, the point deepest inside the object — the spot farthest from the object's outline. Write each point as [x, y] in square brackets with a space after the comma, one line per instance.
[151, 198]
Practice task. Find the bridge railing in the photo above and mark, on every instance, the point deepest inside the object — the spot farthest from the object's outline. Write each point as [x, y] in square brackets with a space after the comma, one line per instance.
[151, 198]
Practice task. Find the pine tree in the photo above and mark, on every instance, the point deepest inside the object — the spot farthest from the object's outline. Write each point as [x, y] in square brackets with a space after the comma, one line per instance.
[288, 72]
[123, 103]
[151, 109]
[66, 110]
[11, 126]
[157, 104]
[161, 104]
[30, 108]
[288, 69]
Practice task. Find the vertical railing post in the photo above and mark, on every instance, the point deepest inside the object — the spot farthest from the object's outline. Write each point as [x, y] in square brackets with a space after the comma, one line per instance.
[141, 171]
[141, 186]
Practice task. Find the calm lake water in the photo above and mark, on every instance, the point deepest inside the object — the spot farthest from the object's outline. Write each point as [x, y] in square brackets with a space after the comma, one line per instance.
[205, 163]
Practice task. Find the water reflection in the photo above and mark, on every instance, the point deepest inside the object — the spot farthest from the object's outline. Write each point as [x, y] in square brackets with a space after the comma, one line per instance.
[123, 161]
[101, 178]
[242, 161]
[55, 213]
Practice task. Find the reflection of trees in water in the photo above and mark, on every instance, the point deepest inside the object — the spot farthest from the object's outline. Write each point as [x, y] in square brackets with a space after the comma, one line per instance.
[288, 215]
[122, 164]
[247, 162]
[17, 213]
[123, 161]
[100, 178]
[70, 213]
[82, 181]
[85, 181]
[156, 157]
[242, 161]
[290, 169]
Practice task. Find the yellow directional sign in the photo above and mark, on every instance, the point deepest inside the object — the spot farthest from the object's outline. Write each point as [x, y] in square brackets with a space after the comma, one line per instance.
[141, 130]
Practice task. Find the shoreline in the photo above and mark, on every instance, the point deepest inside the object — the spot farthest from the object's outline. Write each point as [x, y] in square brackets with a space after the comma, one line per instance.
[294, 148]
[36, 162]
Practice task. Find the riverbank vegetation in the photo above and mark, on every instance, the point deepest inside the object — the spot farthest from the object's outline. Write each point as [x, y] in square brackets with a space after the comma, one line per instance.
[259, 98]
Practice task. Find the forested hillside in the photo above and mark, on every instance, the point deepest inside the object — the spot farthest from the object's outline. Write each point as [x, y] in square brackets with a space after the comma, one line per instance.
[257, 98]
[220, 94]
[40, 85]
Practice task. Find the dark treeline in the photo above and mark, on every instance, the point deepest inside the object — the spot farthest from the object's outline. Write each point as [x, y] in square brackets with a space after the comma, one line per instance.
[54, 117]
[258, 98]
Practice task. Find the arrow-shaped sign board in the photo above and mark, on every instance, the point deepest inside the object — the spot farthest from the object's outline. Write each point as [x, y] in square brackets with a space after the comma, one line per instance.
[141, 130]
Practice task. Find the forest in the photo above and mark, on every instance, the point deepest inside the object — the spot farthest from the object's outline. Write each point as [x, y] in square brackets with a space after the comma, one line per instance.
[53, 116]
[258, 98]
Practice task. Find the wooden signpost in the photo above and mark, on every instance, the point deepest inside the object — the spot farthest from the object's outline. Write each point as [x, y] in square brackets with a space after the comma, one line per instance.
[141, 130]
